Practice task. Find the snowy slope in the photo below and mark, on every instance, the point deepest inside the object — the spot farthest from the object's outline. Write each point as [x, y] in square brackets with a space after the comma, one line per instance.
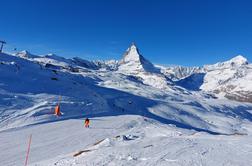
[116, 101]
[30, 91]
[122, 140]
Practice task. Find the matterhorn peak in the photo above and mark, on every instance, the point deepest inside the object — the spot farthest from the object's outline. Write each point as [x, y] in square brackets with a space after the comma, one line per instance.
[133, 61]
[132, 54]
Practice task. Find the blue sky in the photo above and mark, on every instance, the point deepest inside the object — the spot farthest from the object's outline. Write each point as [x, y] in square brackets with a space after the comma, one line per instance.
[183, 32]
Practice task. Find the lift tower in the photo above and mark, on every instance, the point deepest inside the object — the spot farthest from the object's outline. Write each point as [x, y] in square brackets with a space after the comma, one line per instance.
[2, 44]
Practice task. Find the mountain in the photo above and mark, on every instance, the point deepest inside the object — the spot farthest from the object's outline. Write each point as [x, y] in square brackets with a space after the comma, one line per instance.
[235, 62]
[176, 73]
[231, 79]
[134, 62]
[137, 115]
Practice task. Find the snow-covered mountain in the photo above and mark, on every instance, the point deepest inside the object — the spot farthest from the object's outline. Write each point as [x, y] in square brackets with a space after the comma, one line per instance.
[134, 62]
[235, 62]
[232, 79]
[176, 73]
[131, 103]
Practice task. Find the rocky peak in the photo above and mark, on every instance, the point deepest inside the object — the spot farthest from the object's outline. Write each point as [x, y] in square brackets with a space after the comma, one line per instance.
[133, 61]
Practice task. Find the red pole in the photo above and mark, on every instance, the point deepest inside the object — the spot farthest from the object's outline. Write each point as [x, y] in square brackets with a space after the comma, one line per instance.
[28, 150]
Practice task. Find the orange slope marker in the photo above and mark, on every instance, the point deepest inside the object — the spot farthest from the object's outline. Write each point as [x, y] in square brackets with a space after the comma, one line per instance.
[57, 108]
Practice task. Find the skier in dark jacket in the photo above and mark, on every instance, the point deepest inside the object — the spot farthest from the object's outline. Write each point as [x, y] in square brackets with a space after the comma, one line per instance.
[87, 123]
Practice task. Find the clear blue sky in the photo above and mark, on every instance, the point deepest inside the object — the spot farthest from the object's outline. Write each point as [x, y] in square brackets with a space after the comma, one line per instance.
[184, 32]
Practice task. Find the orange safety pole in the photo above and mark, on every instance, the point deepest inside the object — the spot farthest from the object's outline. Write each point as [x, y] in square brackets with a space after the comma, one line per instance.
[57, 108]
[28, 150]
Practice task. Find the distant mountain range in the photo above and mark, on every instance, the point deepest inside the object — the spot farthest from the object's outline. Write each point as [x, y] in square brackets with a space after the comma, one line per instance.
[231, 79]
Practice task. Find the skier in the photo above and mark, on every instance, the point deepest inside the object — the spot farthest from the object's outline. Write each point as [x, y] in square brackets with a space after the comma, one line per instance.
[87, 123]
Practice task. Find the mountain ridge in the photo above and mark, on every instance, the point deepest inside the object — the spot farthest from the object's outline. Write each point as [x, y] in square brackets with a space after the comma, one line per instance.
[221, 78]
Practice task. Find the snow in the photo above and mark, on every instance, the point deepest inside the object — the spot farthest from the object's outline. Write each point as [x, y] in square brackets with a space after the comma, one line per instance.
[121, 140]
[138, 116]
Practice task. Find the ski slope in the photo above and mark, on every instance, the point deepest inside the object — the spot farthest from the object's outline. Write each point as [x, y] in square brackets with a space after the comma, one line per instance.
[122, 140]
